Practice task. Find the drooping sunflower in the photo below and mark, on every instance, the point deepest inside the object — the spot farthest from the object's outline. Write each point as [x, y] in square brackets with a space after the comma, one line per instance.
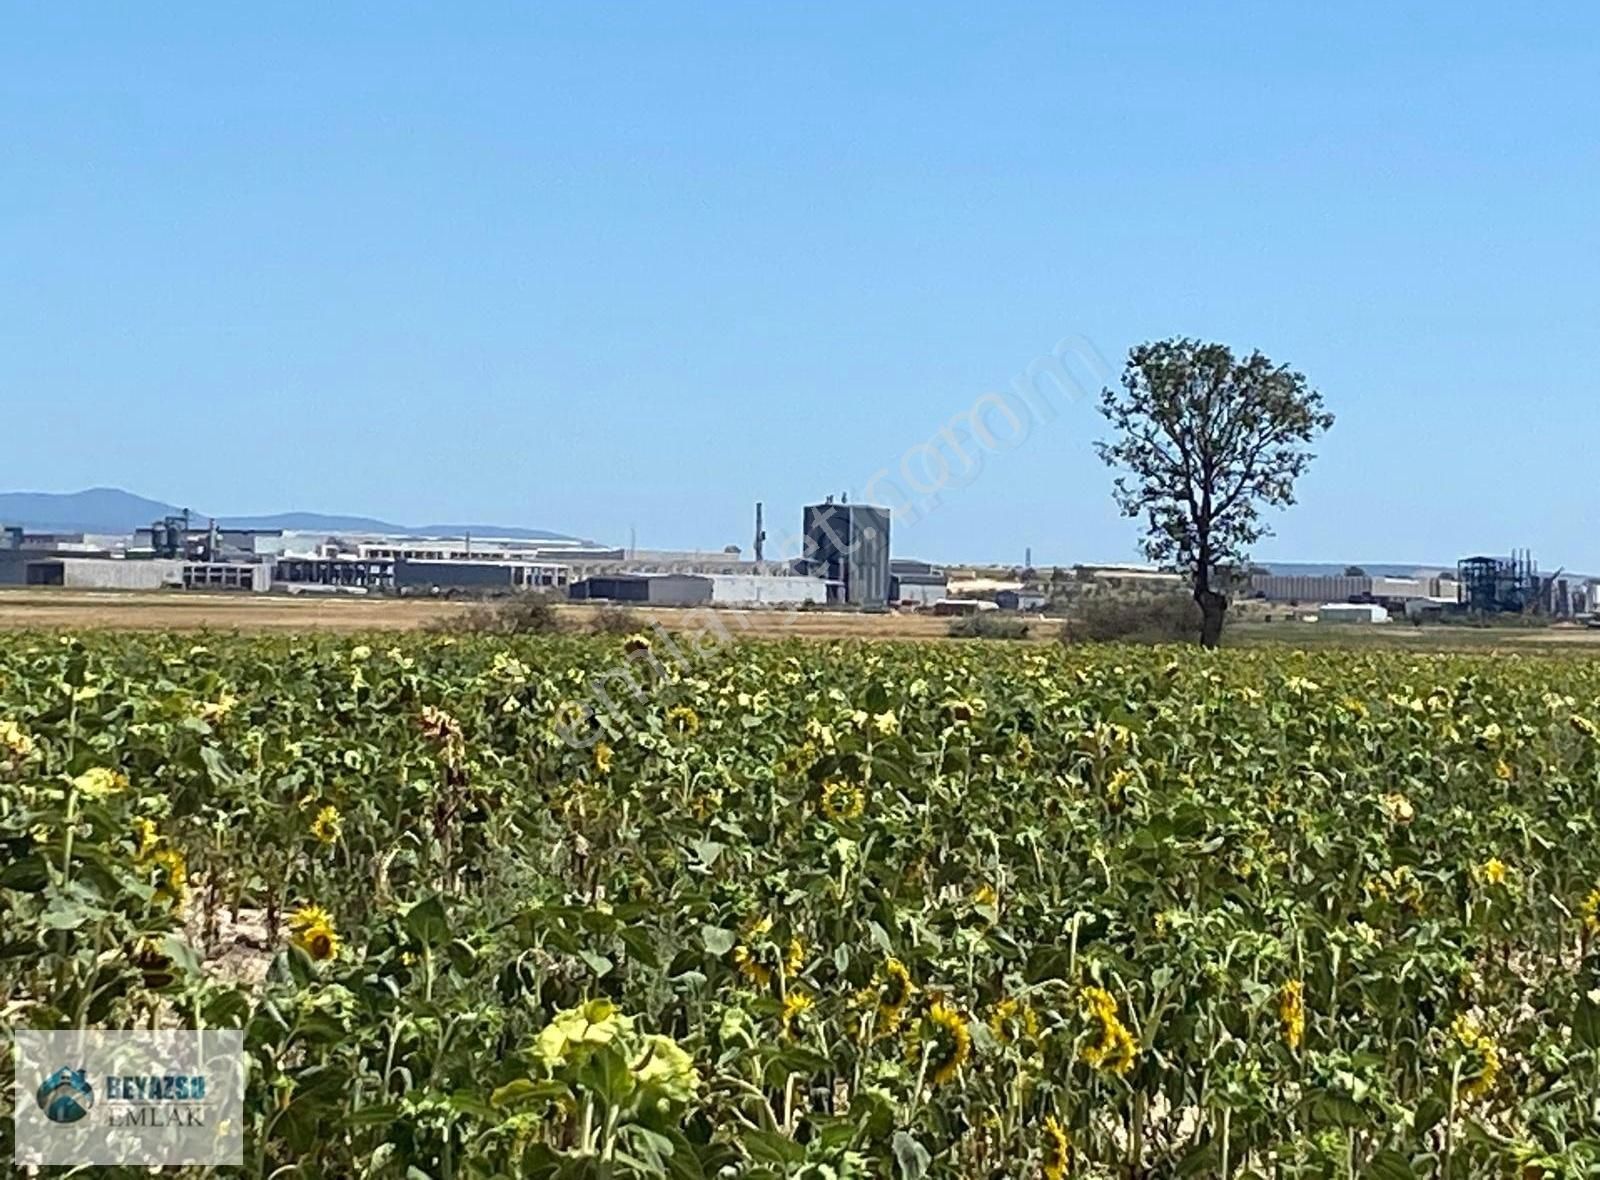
[683, 719]
[174, 883]
[842, 800]
[895, 990]
[145, 837]
[311, 929]
[952, 1043]
[101, 782]
[602, 758]
[1292, 1012]
[14, 740]
[1114, 1048]
[795, 1005]
[1480, 1057]
[328, 825]
[1012, 1021]
[1057, 1149]
[1589, 911]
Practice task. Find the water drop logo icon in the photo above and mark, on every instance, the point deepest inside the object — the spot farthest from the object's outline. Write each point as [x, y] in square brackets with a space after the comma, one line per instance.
[66, 1095]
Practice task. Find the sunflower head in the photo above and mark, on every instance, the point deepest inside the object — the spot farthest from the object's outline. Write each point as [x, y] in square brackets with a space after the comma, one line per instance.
[328, 825]
[1057, 1149]
[311, 929]
[951, 1045]
[1292, 1012]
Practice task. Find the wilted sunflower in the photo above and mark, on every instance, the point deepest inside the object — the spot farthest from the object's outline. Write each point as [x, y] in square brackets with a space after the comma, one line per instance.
[795, 1005]
[684, 719]
[1012, 1020]
[1114, 1049]
[636, 642]
[602, 758]
[894, 992]
[439, 725]
[1057, 1148]
[14, 740]
[100, 782]
[145, 837]
[1493, 871]
[952, 1044]
[842, 800]
[1589, 910]
[311, 929]
[1292, 1012]
[174, 883]
[1480, 1057]
[328, 825]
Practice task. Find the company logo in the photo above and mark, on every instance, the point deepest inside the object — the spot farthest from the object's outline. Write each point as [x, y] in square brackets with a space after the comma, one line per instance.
[66, 1095]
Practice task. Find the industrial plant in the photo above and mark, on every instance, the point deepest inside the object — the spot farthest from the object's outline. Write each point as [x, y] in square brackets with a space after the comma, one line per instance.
[843, 560]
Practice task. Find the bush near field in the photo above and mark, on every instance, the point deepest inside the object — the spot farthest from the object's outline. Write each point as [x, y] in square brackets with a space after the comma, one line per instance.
[1132, 618]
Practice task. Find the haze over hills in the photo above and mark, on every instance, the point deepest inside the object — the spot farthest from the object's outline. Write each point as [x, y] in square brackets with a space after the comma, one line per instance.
[112, 510]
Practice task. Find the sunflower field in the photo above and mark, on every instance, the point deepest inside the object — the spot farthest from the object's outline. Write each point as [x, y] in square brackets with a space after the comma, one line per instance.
[564, 906]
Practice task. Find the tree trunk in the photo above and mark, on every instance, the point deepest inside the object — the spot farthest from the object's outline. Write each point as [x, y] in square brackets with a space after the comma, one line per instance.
[1212, 607]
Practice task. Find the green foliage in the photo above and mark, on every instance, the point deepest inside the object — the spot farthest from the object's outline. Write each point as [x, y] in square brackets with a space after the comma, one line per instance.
[1204, 442]
[825, 909]
[1133, 618]
[989, 625]
[526, 613]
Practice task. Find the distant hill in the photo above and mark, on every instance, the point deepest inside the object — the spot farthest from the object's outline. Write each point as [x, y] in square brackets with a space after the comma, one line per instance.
[112, 510]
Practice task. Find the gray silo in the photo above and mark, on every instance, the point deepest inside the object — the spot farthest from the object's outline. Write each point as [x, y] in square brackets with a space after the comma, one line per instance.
[849, 544]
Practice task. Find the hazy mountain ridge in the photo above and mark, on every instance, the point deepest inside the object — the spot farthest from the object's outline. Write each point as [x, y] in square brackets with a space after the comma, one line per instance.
[112, 510]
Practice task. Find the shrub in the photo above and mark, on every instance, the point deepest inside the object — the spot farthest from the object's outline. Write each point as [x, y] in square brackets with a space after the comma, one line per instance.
[615, 620]
[989, 626]
[532, 613]
[1147, 618]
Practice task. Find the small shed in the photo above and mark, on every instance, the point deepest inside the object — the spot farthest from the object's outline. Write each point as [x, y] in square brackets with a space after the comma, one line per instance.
[1352, 612]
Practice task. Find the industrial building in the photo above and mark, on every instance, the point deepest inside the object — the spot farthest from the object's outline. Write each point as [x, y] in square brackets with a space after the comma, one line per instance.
[1301, 588]
[729, 590]
[916, 583]
[1366, 613]
[849, 544]
[483, 574]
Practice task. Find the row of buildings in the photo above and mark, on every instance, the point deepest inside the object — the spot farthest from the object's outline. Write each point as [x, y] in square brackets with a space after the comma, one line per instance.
[845, 561]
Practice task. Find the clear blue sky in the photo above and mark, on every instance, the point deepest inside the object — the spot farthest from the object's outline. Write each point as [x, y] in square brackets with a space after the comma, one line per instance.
[591, 267]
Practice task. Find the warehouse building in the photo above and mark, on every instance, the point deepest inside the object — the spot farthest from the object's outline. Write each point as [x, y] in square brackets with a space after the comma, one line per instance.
[730, 590]
[486, 576]
[104, 573]
[916, 583]
[1298, 588]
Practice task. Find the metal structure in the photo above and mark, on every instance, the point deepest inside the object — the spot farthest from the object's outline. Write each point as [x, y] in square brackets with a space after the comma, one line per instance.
[1499, 585]
[849, 544]
[761, 533]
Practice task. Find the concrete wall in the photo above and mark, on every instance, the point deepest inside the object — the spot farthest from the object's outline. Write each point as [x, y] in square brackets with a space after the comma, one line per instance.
[103, 573]
[756, 590]
[680, 590]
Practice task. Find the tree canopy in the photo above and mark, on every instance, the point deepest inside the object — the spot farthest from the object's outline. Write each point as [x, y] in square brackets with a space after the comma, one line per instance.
[1203, 442]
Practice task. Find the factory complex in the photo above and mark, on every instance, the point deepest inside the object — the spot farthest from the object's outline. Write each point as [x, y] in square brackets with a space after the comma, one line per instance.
[845, 562]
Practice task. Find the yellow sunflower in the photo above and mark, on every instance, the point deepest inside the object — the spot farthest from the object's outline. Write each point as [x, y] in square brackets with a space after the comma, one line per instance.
[952, 1045]
[1292, 1012]
[1057, 1148]
[328, 825]
[311, 929]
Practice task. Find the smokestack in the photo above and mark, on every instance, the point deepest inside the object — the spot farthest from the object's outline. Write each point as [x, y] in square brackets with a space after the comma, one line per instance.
[761, 533]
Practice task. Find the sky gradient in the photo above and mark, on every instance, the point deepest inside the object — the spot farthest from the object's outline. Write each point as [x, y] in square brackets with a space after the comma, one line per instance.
[593, 268]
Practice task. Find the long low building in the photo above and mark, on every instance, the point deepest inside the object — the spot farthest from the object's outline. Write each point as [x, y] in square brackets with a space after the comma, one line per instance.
[1313, 588]
[486, 575]
[734, 590]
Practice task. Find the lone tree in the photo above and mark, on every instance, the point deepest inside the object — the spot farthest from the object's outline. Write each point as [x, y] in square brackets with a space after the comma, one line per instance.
[1204, 441]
